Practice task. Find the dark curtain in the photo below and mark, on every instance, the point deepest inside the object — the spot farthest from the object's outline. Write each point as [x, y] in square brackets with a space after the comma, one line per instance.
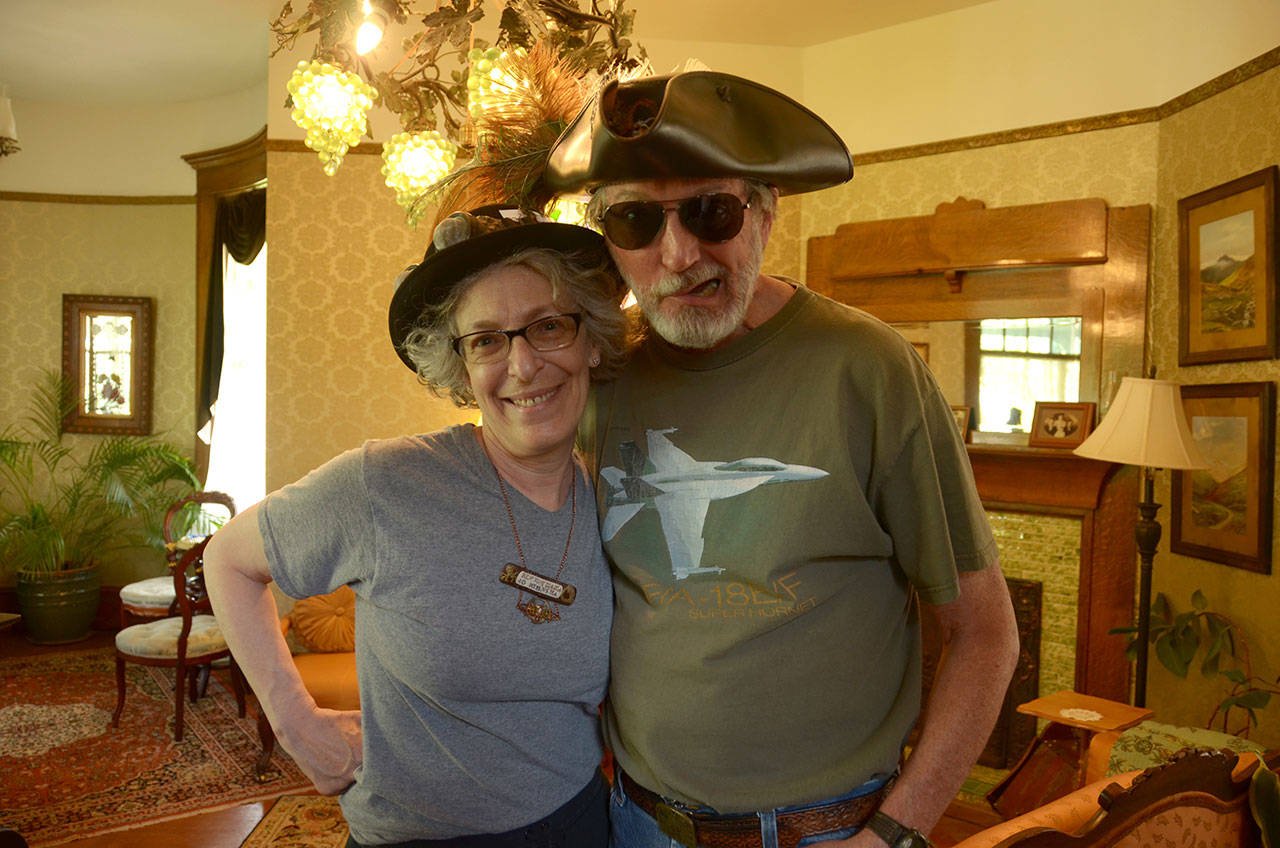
[240, 227]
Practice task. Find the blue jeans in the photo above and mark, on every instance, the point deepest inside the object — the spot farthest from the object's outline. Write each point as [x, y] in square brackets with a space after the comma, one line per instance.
[632, 827]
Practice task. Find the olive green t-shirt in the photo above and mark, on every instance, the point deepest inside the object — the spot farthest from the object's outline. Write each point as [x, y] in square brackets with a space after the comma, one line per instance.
[772, 509]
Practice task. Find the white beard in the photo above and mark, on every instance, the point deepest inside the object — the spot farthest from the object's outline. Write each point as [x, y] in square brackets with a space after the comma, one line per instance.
[702, 328]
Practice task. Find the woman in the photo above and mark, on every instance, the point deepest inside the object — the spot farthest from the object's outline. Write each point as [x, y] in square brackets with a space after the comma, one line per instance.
[483, 599]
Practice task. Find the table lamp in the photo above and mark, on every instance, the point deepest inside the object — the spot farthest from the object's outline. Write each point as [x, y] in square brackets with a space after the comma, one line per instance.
[1146, 427]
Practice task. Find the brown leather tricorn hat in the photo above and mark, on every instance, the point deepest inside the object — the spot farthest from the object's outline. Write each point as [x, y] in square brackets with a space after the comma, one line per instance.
[698, 124]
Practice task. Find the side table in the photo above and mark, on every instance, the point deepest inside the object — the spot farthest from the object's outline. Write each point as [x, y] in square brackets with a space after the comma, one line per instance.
[1054, 764]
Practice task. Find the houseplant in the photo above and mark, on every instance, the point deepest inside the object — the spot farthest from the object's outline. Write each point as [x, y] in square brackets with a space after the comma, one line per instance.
[65, 507]
[1178, 637]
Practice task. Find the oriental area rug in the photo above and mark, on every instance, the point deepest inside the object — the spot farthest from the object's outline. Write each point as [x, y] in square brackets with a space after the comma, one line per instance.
[300, 821]
[66, 774]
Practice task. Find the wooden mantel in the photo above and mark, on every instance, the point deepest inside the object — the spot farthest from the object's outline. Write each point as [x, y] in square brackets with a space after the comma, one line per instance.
[1073, 257]
[1104, 496]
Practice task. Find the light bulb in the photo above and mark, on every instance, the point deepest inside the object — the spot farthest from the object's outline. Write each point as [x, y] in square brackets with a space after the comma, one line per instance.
[369, 35]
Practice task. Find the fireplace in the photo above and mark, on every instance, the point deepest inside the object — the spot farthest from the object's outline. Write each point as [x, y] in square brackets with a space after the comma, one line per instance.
[1013, 731]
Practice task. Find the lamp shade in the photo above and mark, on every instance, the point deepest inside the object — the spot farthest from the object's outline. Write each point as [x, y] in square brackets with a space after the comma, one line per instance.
[1145, 426]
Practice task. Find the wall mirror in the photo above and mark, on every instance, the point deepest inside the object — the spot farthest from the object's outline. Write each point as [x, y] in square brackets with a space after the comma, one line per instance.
[1009, 306]
[107, 345]
[1000, 367]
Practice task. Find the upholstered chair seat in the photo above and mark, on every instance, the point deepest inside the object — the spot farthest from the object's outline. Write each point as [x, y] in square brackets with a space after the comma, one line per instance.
[149, 598]
[160, 638]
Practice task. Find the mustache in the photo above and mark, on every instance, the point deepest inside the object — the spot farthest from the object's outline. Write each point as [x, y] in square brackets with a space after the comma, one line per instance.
[690, 278]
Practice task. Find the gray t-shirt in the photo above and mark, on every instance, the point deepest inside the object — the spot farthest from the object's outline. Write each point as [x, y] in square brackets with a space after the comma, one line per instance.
[476, 720]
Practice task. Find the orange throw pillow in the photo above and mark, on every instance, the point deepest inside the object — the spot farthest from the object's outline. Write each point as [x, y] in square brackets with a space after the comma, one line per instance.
[326, 623]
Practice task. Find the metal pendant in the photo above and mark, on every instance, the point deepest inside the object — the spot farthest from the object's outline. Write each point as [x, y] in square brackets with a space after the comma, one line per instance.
[538, 611]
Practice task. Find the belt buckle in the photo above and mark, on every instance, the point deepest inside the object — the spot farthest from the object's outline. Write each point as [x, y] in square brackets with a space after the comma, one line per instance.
[676, 824]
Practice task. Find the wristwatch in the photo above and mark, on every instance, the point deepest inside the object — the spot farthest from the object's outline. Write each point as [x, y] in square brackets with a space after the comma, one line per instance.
[894, 833]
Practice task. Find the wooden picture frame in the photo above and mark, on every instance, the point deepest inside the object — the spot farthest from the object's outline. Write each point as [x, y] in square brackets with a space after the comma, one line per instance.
[1224, 513]
[922, 350]
[1227, 271]
[1059, 424]
[107, 348]
[964, 417]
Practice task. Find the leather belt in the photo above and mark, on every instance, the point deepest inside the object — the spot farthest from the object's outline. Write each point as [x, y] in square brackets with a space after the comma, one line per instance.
[706, 830]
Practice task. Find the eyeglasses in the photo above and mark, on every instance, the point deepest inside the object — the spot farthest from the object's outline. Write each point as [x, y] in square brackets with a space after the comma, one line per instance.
[633, 224]
[551, 332]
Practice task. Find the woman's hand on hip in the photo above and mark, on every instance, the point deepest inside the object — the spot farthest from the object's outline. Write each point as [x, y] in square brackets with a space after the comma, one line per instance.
[328, 746]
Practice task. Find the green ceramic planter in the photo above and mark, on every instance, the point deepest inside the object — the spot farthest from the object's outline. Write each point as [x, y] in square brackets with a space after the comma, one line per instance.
[58, 606]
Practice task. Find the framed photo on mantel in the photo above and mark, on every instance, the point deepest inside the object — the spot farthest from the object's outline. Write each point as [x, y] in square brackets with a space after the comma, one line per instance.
[1227, 271]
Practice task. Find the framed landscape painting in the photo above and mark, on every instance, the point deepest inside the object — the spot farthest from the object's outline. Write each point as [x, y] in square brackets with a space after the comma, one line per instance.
[1227, 271]
[1223, 513]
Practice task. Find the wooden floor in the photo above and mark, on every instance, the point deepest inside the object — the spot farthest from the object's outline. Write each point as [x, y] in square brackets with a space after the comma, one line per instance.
[228, 828]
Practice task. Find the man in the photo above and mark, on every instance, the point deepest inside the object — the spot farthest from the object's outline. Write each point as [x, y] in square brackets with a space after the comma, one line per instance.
[779, 481]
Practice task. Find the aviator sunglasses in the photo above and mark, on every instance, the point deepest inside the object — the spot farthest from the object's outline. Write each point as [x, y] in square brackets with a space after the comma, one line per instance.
[634, 224]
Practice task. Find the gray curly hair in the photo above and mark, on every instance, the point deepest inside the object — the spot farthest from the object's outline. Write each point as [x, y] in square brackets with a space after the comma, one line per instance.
[582, 280]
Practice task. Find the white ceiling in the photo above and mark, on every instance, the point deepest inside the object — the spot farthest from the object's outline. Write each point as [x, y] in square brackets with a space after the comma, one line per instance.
[133, 52]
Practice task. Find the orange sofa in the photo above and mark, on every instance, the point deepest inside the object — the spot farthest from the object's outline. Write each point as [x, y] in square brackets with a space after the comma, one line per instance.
[1200, 798]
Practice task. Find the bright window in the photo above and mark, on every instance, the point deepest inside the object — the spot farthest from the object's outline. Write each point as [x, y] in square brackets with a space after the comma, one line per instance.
[1024, 360]
[237, 449]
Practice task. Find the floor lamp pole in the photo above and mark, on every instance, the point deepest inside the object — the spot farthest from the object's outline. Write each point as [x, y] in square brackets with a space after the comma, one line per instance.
[1148, 533]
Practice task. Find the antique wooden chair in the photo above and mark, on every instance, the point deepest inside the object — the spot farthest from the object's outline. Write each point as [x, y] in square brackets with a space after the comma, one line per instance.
[153, 597]
[1199, 798]
[184, 641]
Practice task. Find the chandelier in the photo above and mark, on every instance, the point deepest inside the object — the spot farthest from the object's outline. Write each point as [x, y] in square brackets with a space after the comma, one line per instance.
[453, 93]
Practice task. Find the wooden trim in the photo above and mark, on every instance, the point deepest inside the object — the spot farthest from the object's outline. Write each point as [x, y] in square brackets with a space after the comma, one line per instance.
[296, 145]
[1114, 120]
[1104, 496]
[100, 199]
[221, 172]
[967, 236]
[232, 154]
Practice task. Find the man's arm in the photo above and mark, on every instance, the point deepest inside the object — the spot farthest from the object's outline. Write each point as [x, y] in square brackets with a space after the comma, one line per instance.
[980, 651]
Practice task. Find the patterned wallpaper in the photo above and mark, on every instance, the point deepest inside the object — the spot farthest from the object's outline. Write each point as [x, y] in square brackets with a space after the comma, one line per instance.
[1118, 165]
[1227, 136]
[51, 249]
[333, 379]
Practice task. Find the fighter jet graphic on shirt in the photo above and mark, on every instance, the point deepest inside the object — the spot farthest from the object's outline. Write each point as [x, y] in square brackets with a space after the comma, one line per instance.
[681, 488]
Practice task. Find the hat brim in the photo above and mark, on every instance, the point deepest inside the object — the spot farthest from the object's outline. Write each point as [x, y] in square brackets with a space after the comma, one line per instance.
[432, 281]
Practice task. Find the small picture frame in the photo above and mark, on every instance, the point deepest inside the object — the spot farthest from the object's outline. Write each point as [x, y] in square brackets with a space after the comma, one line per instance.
[1060, 425]
[107, 348]
[963, 416]
[1227, 271]
[1223, 513]
[922, 350]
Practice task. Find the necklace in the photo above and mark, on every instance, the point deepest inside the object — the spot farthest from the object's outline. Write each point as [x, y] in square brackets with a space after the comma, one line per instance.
[543, 607]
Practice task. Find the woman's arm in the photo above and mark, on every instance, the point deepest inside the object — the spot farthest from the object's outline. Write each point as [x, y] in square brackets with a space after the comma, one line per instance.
[326, 744]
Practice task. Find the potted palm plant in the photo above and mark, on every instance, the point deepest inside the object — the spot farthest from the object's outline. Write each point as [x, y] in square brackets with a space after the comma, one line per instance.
[64, 508]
